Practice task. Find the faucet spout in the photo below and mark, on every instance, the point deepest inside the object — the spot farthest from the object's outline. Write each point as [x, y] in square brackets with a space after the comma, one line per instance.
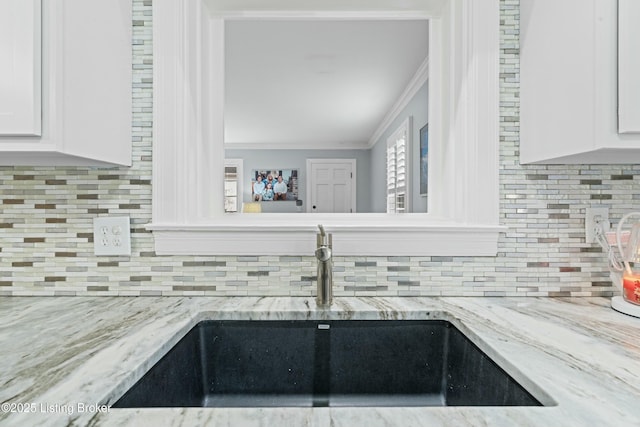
[323, 237]
[324, 255]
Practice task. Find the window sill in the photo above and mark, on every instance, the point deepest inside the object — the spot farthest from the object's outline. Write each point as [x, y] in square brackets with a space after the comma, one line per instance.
[366, 235]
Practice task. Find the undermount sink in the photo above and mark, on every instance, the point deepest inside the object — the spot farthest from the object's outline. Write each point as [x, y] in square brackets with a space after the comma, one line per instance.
[325, 363]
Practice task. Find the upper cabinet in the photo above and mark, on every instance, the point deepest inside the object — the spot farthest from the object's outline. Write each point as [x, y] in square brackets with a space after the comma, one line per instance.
[569, 82]
[628, 66]
[20, 56]
[66, 97]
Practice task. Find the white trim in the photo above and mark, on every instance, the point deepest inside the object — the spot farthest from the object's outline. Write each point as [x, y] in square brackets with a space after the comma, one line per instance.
[186, 145]
[463, 128]
[316, 145]
[353, 235]
[309, 185]
[419, 79]
[323, 14]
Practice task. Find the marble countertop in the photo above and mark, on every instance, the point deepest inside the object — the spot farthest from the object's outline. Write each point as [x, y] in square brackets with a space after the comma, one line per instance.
[64, 360]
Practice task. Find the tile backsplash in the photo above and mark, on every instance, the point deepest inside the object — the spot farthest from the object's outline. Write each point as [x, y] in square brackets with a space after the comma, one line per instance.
[46, 214]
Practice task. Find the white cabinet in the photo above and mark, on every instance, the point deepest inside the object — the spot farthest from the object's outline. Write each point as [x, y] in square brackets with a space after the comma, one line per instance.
[20, 80]
[569, 84]
[86, 87]
[628, 66]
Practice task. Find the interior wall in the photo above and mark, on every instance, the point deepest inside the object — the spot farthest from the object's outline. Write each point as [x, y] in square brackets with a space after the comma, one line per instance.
[418, 110]
[296, 159]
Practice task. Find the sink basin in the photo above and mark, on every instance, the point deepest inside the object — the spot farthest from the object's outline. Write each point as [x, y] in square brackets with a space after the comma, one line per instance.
[325, 363]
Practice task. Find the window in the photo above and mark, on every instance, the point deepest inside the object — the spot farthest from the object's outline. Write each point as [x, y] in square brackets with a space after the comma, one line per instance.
[463, 208]
[232, 185]
[398, 145]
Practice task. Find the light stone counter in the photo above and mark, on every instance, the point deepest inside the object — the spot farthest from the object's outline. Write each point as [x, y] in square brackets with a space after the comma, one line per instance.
[61, 355]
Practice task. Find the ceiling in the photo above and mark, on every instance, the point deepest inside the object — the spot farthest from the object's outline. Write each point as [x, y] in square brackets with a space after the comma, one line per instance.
[316, 83]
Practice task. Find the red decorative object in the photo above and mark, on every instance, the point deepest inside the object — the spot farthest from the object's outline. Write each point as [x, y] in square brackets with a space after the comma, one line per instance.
[631, 287]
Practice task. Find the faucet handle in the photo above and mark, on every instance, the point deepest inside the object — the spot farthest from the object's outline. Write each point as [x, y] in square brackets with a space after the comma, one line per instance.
[323, 253]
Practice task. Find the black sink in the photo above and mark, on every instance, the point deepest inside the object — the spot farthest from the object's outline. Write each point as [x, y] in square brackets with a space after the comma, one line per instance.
[325, 363]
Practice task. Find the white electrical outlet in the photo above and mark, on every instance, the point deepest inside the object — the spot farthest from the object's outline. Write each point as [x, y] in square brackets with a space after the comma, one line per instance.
[592, 217]
[112, 235]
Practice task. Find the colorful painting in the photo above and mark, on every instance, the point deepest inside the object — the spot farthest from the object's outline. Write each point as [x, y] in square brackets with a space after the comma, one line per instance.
[274, 185]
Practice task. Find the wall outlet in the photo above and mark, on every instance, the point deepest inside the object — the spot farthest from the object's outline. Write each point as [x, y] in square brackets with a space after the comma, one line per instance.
[592, 217]
[112, 236]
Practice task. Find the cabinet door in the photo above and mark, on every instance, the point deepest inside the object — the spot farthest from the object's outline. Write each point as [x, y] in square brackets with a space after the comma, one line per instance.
[628, 66]
[84, 116]
[20, 67]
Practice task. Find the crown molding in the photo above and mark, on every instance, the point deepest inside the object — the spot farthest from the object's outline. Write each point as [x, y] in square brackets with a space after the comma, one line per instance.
[309, 145]
[419, 78]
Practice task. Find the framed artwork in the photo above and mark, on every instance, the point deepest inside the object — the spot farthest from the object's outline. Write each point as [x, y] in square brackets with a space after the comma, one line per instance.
[274, 185]
[424, 160]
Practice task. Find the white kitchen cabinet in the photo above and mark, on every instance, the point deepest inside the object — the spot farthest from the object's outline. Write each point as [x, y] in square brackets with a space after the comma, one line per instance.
[628, 66]
[86, 87]
[20, 79]
[569, 84]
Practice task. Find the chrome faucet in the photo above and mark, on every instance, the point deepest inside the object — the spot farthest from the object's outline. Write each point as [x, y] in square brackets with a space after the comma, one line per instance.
[325, 268]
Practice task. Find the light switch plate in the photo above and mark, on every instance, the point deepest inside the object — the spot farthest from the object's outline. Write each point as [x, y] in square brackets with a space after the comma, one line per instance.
[112, 235]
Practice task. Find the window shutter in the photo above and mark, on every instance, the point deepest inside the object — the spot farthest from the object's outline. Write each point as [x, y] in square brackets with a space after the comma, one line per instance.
[398, 169]
[391, 179]
[231, 189]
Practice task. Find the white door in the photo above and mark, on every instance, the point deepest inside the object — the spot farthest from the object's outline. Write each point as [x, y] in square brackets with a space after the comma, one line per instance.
[331, 185]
